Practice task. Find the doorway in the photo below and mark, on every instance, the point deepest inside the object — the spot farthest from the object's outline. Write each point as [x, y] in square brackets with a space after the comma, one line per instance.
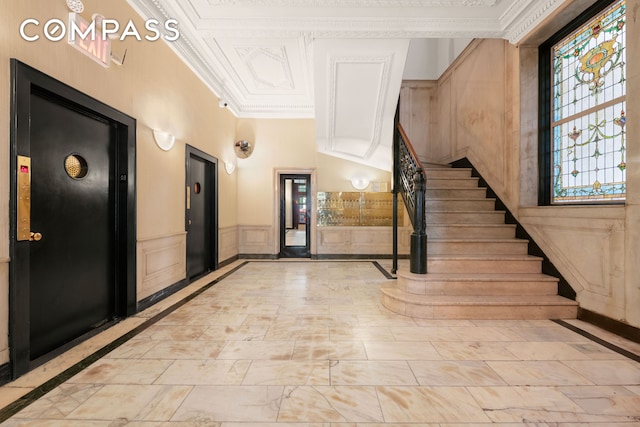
[295, 227]
[72, 268]
[201, 213]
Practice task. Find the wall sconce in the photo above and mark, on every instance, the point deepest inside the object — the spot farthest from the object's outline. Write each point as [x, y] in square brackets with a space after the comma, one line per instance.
[360, 183]
[165, 140]
[229, 167]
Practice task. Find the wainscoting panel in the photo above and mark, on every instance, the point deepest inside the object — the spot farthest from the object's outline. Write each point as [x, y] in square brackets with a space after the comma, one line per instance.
[228, 243]
[161, 263]
[361, 241]
[255, 239]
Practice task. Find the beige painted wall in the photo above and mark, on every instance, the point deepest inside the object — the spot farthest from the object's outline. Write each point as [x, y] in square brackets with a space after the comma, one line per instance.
[487, 111]
[285, 146]
[154, 87]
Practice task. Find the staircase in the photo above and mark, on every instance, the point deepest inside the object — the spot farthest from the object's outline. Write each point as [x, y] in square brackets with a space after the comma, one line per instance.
[477, 269]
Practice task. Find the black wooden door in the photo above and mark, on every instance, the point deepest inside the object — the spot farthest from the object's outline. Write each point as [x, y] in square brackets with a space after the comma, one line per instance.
[72, 205]
[77, 272]
[201, 213]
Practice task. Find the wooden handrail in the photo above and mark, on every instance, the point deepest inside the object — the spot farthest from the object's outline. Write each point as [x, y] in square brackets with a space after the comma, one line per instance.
[410, 181]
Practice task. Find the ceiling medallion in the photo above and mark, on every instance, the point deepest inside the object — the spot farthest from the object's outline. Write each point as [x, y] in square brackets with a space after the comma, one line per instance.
[75, 6]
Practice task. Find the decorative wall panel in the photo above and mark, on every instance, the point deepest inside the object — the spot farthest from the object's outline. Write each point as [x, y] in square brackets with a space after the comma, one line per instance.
[255, 239]
[161, 263]
[228, 243]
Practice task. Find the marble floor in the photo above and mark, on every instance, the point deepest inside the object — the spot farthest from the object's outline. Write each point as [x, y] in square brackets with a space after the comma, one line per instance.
[308, 344]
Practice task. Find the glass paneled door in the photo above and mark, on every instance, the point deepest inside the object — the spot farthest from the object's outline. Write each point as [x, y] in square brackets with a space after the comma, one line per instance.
[294, 216]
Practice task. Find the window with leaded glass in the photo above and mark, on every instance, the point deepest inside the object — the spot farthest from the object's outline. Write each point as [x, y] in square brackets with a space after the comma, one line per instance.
[587, 123]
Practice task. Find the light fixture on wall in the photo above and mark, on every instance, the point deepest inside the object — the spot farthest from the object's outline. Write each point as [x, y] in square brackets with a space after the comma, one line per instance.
[359, 183]
[243, 149]
[229, 167]
[165, 140]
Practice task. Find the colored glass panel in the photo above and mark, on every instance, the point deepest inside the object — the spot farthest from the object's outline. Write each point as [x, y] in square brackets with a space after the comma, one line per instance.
[588, 104]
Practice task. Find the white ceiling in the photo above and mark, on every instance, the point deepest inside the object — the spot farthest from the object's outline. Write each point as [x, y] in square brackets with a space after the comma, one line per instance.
[338, 61]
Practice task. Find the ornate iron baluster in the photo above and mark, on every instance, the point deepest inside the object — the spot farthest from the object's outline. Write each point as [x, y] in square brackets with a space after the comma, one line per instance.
[410, 181]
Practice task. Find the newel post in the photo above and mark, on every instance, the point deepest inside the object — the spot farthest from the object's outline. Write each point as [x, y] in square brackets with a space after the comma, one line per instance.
[418, 261]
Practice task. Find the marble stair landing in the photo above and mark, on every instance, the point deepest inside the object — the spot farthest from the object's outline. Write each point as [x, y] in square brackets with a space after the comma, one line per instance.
[477, 268]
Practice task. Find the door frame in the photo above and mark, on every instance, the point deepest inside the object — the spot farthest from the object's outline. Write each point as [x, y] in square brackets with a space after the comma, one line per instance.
[23, 79]
[213, 184]
[311, 207]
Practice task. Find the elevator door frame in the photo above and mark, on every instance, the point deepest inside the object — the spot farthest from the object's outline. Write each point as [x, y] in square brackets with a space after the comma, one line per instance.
[24, 80]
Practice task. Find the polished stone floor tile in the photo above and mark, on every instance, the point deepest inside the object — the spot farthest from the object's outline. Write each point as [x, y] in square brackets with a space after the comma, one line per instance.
[308, 344]
[429, 404]
[369, 372]
[455, 373]
[538, 373]
[230, 403]
[327, 403]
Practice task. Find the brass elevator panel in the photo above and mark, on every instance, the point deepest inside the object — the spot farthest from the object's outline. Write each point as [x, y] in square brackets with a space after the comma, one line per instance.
[24, 198]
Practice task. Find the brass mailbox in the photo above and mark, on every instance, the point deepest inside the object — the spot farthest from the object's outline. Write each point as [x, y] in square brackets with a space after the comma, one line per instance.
[24, 198]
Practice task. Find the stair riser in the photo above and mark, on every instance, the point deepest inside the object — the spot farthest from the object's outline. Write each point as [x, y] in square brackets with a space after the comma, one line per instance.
[476, 248]
[452, 183]
[460, 205]
[447, 173]
[483, 266]
[490, 312]
[486, 217]
[478, 288]
[462, 193]
[456, 232]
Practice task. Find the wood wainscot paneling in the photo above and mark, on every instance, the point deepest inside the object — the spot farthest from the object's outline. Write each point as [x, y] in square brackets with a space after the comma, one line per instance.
[161, 263]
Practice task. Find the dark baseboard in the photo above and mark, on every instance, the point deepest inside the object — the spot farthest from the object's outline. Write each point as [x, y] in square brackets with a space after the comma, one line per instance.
[355, 256]
[227, 261]
[5, 374]
[564, 289]
[162, 294]
[257, 256]
[608, 324]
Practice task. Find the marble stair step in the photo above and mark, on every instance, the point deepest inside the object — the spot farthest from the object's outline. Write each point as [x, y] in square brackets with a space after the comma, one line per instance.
[447, 173]
[473, 231]
[471, 246]
[479, 307]
[476, 284]
[452, 183]
[476, 217]
[481, 264]
[459, 204]
[456, 193]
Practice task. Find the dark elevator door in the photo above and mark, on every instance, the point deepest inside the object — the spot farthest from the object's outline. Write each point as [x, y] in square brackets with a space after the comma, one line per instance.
[200, 216]
[71, 283]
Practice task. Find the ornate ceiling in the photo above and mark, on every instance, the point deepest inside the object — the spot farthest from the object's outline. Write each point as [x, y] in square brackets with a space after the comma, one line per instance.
[338, 61]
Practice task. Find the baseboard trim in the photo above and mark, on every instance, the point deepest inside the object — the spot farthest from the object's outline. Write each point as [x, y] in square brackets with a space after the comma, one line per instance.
[5, 374]
[355, 256]
[228, 261]
[257, 256]
[564, 288]
[617, 327]
[147, 302]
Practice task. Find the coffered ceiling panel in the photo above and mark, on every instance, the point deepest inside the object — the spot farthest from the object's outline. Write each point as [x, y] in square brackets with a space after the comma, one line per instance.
[260, 56]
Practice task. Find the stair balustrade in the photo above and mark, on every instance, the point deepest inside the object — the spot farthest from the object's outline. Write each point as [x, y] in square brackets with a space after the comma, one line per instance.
[409, 180]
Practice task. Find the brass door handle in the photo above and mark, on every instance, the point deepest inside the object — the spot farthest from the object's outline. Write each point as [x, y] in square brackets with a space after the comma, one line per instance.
[35, 237]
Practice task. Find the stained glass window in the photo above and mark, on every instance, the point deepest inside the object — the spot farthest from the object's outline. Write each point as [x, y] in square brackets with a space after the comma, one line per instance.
[588, 111]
